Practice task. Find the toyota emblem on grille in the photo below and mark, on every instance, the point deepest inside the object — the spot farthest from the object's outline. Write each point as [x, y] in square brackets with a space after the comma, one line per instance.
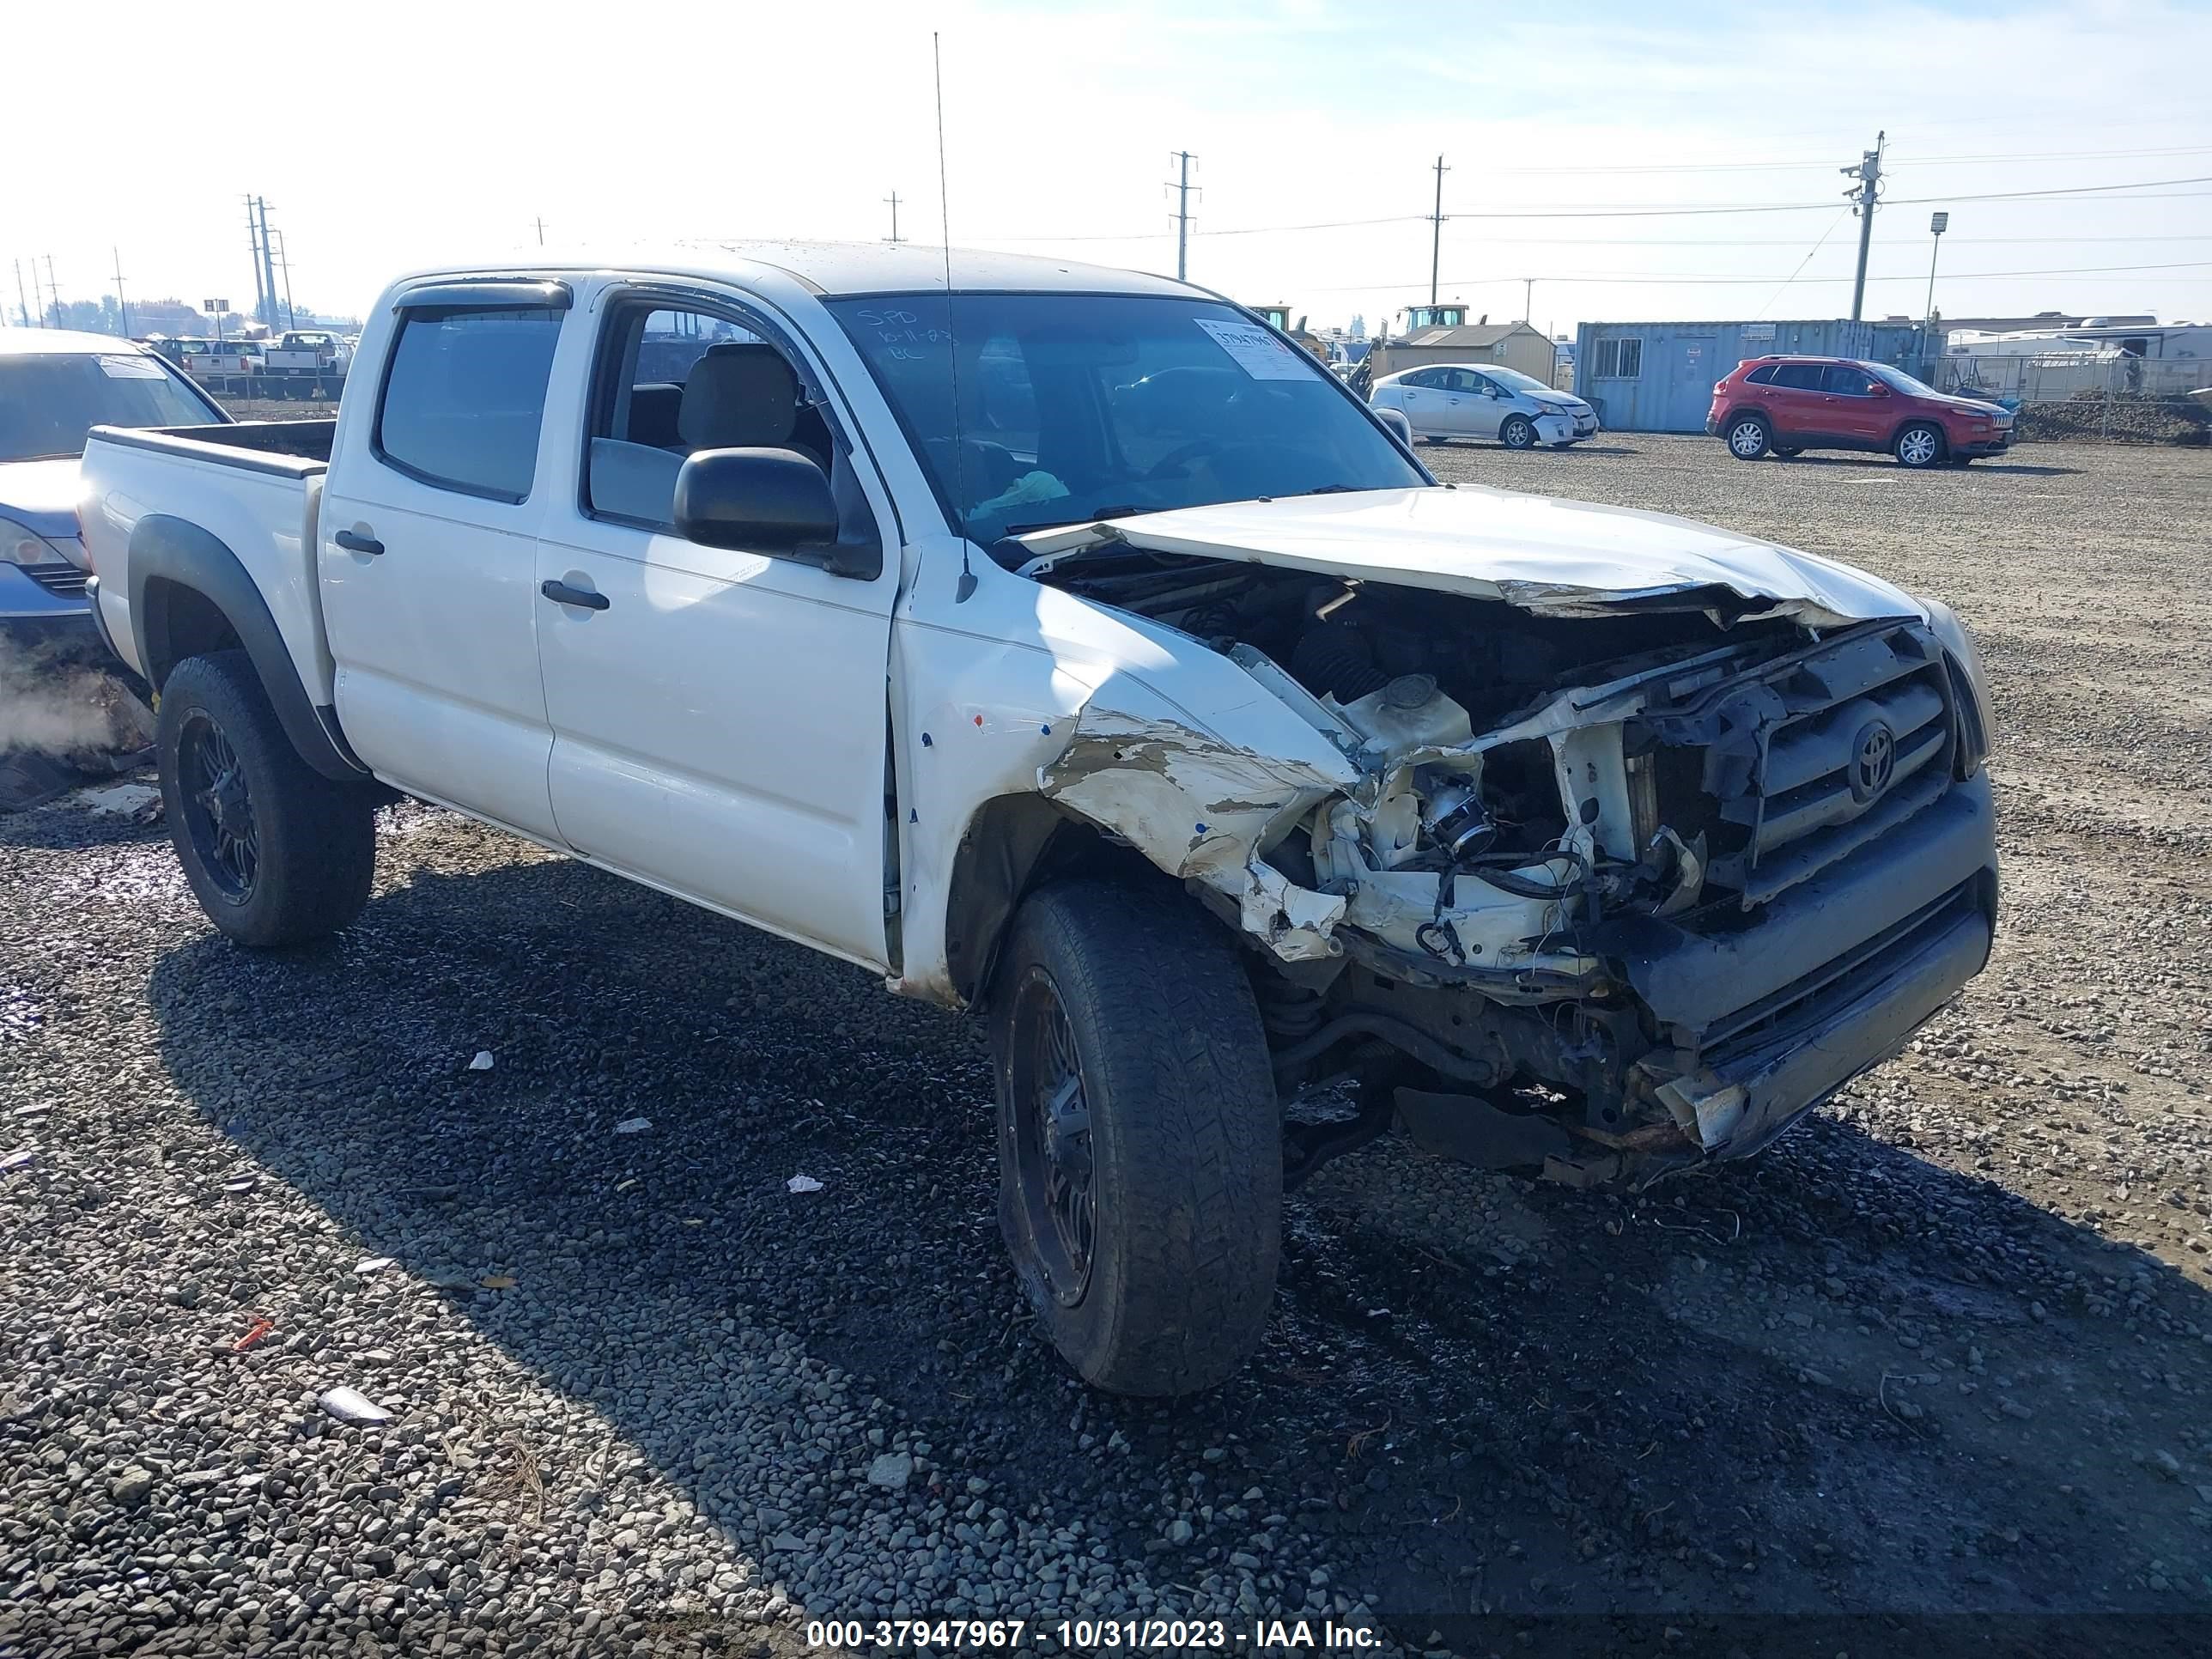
[1874, 760]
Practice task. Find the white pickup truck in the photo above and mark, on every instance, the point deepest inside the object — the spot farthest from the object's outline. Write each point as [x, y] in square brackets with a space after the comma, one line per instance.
[1065, 644]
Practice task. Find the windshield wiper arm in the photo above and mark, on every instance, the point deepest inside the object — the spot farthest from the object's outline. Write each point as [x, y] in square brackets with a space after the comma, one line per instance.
[1123, 511]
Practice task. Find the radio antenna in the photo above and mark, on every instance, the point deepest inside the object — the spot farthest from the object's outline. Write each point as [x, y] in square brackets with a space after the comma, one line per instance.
[960, 594]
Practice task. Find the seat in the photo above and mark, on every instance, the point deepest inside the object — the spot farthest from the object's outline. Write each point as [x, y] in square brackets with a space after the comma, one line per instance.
[653, 408]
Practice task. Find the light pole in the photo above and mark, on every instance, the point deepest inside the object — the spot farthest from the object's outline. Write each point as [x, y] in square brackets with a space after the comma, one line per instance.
[1937, 224]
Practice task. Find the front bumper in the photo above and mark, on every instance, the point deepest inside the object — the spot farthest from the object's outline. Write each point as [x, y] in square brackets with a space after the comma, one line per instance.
[1994, 444]
[1832, 979]
[54, 607]
[1565, 428]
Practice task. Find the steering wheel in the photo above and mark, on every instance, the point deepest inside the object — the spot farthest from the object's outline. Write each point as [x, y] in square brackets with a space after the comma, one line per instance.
[1175, 459]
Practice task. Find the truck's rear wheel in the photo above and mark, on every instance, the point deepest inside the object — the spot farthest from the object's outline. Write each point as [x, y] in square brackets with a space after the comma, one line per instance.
[1140, 1137]
[274, 852]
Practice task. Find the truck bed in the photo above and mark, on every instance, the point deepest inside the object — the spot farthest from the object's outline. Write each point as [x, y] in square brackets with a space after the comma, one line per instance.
[293, 448]
[252, 490]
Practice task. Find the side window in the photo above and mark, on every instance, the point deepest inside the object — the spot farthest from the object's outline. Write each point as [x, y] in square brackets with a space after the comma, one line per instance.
[464, 398]
[1763, 375]
[1848, 382]
[1425, 378]
[1799, 377]
[1466, 380]
[1618, 360]
[671, 382]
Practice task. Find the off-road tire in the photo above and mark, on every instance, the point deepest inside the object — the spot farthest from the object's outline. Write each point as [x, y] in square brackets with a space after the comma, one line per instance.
[1920, 445]
[1517, 432]
[1748, 437]
[316, 837]
[1185, 1135]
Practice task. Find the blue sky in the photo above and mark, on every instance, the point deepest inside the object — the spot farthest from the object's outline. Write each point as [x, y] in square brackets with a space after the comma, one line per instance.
[1577, 141]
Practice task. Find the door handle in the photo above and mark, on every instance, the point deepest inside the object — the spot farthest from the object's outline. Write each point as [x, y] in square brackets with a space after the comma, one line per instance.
[560, 593]
[354, 543]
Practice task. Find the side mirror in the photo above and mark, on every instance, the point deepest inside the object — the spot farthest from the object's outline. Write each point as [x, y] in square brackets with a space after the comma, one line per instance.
[1400, 428]
[761, 500]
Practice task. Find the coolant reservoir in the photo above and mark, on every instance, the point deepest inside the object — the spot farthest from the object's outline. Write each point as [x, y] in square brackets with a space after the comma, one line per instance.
[1409, 713]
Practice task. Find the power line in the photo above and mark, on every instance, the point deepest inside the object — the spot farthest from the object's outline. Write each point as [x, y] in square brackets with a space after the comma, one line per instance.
[1662, 210]
[1817, 163]
[1702, 279]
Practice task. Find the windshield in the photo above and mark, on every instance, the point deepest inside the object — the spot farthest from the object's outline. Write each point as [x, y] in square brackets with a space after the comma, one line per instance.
[1898, 380]
[1076, 407]
[1516, 379]
[50, 400]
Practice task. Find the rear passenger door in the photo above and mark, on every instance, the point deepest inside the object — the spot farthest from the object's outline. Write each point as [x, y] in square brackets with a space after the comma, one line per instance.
[718, 714]
[1797, 402]
[428, 545]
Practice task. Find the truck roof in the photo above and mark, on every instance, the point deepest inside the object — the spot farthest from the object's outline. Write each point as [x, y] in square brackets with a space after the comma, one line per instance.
[27, 342]
[843, 269]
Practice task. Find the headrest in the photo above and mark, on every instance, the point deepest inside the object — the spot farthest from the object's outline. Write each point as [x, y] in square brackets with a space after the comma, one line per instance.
[739, 396]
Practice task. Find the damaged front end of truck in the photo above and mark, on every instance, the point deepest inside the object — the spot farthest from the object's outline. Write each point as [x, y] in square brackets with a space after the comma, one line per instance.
[1604, 883]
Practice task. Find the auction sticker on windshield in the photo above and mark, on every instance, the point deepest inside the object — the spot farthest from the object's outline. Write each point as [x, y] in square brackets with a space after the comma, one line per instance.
[130, 368]
[1257, 352]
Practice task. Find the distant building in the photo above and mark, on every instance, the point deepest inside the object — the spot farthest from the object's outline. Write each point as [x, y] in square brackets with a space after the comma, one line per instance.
[1659, 377]
[1509, 345]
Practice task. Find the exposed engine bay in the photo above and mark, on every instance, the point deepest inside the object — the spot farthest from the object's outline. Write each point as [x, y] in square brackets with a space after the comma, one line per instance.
[1546, 801]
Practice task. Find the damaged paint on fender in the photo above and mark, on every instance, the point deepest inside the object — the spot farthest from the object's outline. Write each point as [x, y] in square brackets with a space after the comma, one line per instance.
[1203, 811]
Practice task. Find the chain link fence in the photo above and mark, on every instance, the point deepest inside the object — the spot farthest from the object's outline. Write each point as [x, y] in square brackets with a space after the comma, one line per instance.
[2090, 394]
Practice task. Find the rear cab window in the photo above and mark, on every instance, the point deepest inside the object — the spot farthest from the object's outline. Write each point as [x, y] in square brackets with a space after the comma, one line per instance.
[464, 397]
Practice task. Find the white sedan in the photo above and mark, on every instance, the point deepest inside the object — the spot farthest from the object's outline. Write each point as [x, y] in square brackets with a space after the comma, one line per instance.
[1483, 400]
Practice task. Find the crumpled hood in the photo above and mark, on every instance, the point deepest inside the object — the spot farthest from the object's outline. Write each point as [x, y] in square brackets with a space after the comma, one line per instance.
[1551, 556]
[41, 495]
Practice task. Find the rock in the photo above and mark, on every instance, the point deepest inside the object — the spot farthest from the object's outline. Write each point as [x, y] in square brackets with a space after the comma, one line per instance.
[1179, 1531]
[891, 1471]
[132, 1488]
[351, 1405]
[2167, 1464]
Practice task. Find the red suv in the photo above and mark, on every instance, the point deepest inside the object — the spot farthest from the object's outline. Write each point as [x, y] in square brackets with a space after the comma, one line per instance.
[1790, 405]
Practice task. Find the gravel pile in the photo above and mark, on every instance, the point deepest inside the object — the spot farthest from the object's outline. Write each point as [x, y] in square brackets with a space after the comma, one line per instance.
[2091, 415]
[1946, 1349]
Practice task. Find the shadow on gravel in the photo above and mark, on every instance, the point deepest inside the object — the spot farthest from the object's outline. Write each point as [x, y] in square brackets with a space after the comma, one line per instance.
[1839, 1382]
[1979, 469]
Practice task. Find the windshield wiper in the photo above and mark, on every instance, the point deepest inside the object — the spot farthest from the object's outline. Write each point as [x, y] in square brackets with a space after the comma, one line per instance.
[1123, 511]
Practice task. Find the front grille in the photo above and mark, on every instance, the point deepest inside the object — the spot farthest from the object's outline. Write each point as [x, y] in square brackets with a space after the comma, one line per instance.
[64, 580]
[1787, 770]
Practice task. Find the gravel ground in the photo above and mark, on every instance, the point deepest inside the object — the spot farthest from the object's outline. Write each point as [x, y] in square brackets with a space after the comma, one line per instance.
[1944, 1350]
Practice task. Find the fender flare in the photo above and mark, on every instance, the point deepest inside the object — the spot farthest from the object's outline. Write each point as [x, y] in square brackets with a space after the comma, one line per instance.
[170, 549]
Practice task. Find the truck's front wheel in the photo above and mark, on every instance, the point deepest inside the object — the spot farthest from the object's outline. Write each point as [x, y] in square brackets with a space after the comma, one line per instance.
[1140, 1137]
[274, 852]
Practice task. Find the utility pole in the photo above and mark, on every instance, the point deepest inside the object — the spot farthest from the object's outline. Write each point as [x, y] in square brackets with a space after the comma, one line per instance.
[268, 261]
[253, 247]
[1937, 224]
[54, 294]
[893, 199]
[540, 223]
[121, 304]
[1181, 185]
[1528, 298]
[1436, 233]
[1869, 173]
[291, 317]
[22, 304]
